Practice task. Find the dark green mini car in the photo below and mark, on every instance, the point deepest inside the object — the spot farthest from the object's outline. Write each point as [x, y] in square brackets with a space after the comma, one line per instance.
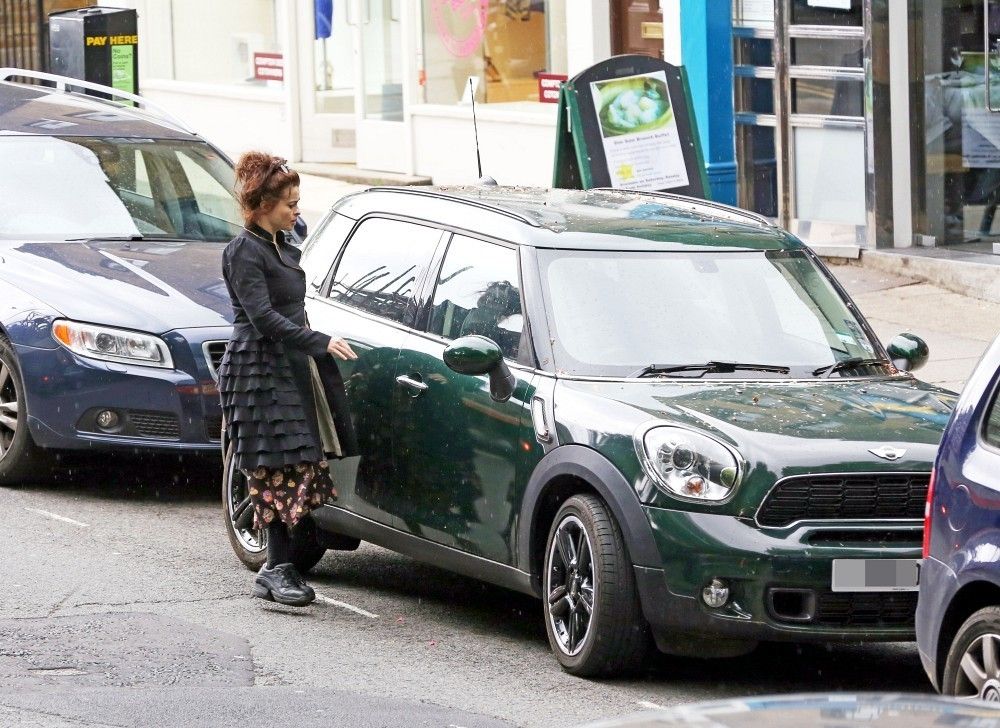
[662, 416]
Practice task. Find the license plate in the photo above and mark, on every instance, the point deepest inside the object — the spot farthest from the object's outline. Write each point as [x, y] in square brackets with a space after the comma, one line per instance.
[874, 575]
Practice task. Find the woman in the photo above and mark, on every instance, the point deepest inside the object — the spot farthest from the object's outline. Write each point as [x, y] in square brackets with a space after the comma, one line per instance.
[282, 395]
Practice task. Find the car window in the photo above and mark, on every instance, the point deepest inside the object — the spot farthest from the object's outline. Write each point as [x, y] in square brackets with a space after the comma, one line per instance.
[84, 187]
[478, 292]
[382, 266]
[992, 429]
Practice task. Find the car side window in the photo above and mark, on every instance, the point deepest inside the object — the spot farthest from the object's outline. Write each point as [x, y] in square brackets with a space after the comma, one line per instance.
[991, 432]
[382, 265]
[478, 292]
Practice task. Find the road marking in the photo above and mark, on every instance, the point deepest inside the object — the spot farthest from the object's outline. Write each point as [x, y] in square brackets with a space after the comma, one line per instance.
[57, 517]
[652, 706]
[345, 605]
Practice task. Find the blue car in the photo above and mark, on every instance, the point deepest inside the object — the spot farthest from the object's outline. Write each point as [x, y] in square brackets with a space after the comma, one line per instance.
[113, 312]
[958, 609]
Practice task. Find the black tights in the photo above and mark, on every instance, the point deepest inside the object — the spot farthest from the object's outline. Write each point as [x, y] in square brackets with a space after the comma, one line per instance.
[279, 543]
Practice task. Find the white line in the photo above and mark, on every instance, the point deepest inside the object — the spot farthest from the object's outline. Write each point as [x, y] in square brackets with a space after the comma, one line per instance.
[345, 605]
[651, 706]
[57, 517]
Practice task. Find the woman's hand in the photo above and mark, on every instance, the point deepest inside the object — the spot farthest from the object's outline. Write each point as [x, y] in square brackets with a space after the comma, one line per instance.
[341, 349]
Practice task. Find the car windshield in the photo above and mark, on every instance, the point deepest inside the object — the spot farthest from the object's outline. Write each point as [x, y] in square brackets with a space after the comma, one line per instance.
[615, 313]
[80, 187]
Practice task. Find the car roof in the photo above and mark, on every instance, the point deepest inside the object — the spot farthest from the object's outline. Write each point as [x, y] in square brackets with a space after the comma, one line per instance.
[40, 110]
[597, 219]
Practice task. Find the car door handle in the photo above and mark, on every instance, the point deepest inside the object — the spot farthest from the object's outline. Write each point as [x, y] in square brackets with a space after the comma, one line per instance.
[415, 384]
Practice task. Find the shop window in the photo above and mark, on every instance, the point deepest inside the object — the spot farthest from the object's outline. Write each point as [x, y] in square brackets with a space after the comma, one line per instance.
[215, 42]
[503, 43]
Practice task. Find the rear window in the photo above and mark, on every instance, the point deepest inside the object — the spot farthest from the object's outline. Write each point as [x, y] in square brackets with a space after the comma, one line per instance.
[82, 187]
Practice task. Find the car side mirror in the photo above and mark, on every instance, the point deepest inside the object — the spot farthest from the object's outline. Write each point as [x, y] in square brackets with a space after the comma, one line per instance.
[908, 352]
[478, 355]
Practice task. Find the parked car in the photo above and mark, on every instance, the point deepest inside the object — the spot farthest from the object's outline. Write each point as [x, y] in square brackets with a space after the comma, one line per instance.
[958, 612]
[112, 307]
[661, 415]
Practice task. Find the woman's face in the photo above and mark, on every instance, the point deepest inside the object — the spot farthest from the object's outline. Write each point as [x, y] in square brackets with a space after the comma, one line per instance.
[282, 215]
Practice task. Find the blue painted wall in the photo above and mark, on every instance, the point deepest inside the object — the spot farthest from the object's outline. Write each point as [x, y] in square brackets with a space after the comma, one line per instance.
[707, 55]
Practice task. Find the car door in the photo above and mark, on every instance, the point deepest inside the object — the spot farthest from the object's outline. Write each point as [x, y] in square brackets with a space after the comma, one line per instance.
[369, 298]
[455, 448]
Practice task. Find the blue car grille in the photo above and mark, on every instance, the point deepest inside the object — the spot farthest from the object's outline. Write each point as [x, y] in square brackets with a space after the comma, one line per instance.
[845, 497]
[160, 425]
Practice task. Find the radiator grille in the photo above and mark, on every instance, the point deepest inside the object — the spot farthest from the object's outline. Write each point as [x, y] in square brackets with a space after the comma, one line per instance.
[844, 497]
[865, 609]
[213, 426]
[213, 355]
[159, 425]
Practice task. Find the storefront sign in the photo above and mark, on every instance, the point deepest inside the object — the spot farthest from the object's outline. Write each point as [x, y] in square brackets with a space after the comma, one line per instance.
[627, 122]
[548, 87]
[268, 67]
[642, 149]
[460, 24]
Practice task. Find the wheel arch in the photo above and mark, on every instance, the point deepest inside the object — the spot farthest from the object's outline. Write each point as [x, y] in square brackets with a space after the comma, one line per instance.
[967, 601]
[567, 471]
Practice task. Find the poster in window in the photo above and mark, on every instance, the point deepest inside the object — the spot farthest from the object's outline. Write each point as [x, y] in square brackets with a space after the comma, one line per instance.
[639, 132]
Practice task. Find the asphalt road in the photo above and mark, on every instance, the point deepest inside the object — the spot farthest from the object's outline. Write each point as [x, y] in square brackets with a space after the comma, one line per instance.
[123, 605]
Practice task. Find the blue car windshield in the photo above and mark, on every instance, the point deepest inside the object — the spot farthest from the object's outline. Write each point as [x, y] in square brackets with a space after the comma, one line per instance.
[68, 188]
[612, 313]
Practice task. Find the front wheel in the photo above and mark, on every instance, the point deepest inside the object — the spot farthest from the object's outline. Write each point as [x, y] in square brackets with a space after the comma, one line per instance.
[249, 543]
[592, 613]
[972, 669]
[20, 458]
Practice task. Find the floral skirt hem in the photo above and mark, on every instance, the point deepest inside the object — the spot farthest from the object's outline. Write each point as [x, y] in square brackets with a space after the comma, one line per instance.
[290, 492]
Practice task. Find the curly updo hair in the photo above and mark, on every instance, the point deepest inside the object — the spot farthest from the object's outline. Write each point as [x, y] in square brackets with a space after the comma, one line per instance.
[261, 180]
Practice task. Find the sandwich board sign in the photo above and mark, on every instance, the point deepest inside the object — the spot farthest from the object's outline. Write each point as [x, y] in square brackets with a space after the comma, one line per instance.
[628, 123]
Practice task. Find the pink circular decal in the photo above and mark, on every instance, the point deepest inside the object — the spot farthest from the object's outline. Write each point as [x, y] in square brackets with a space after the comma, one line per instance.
[468, 17]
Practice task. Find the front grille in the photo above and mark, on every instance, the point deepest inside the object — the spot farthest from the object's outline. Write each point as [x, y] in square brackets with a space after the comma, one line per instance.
[844, 497]
[895, 538]
[160, 425]
[865, 609]
[213, 426]
[826, 608]
[213, 355]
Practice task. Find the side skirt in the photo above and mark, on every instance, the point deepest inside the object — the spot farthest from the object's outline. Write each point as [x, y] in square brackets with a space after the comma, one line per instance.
[337, 520]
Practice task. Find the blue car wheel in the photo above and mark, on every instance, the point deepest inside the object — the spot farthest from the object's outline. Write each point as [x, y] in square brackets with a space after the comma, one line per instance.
[972, 669]
[20, 458]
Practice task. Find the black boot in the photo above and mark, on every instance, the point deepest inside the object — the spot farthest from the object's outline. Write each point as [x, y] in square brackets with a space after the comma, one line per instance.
[284, 585]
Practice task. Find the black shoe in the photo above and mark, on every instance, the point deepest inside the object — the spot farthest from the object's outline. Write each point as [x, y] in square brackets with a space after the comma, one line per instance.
[282, 584]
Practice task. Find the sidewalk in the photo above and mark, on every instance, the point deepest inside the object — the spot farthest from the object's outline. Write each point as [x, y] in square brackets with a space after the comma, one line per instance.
[957, 328]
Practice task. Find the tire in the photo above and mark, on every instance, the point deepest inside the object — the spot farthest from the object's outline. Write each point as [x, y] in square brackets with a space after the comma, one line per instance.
[980, 677]
[250, 544]
[596, 596]
[20, 459]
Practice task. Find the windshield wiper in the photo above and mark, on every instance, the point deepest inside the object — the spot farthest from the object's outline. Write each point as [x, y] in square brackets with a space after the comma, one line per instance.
[107, 239]
[846, 364]
[708, 366]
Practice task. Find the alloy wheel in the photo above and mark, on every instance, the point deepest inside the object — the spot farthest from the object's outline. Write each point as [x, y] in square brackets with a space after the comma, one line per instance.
[8, 408]
[570, 585]
[253, 540]
[979, 678]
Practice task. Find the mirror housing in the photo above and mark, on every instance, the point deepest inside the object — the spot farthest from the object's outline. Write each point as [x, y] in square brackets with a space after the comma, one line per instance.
[908, 352]
[478, 355]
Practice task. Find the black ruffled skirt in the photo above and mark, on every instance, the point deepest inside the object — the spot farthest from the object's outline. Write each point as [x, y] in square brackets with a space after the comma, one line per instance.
[266, 417]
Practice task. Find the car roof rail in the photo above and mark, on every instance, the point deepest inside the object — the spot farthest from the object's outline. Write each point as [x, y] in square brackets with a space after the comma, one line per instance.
[727, 210]
[61, 82]
[454, 197]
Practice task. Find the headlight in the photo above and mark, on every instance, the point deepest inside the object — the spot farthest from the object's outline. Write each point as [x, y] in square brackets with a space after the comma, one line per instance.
[102, 342]
[688, 464]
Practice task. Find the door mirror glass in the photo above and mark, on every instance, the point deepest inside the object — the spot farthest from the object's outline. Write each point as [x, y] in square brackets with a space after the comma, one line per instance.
[908, 352]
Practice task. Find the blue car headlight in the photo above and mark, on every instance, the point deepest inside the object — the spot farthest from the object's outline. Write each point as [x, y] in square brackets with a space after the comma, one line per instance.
[108, 344]
[688, 464]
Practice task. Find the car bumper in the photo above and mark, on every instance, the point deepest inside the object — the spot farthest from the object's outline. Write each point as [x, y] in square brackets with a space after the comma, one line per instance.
[779, 581]
[938, 585]
[159, 409]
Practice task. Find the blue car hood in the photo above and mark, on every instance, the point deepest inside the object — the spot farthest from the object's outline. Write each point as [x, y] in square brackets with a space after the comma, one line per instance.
[153, 286]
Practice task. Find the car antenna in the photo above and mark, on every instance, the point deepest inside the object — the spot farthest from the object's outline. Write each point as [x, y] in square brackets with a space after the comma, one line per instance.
[475, 128]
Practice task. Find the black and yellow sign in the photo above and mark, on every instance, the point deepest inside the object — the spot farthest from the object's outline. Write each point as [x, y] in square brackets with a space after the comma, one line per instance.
[97, 44]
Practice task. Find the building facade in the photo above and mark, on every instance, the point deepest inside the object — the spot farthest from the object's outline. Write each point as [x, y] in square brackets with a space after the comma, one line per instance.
[854, 123]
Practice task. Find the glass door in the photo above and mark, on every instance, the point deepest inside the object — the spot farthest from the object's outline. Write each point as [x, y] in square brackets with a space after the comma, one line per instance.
[382, 140]
[327, 82]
